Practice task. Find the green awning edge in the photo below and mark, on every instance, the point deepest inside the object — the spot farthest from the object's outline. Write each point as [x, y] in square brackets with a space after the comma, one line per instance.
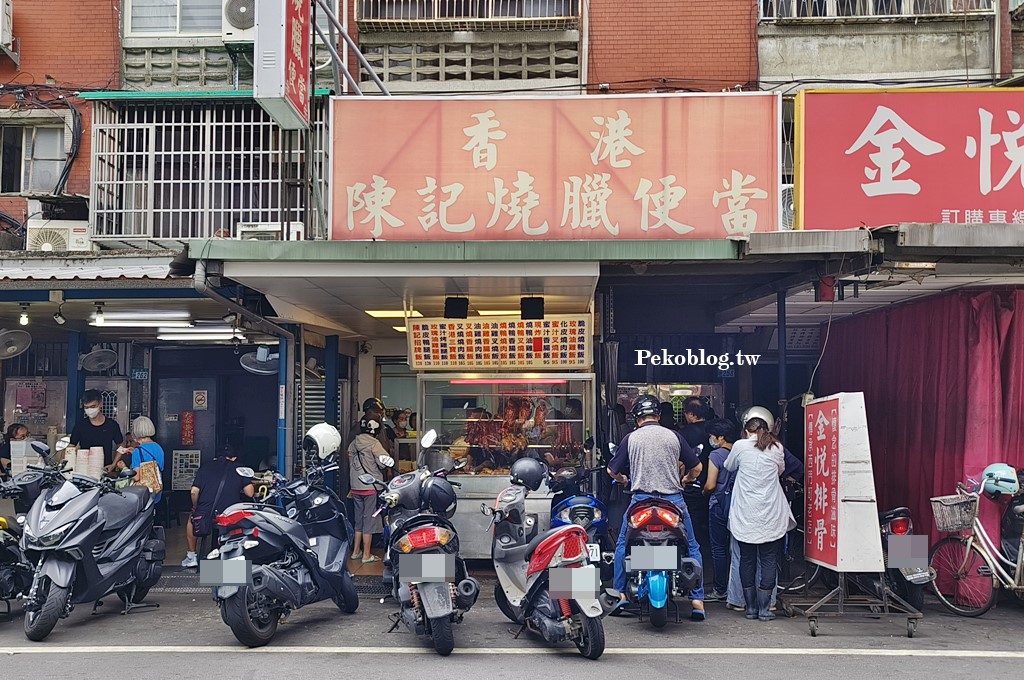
[112, 95]
[464, 251]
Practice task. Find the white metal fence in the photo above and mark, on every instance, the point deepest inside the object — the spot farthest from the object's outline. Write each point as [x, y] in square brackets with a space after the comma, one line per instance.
[466, 14]
[838, 9]
[175, 171]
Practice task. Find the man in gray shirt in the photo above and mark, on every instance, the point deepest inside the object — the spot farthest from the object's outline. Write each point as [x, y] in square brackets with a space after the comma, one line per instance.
[655, 462]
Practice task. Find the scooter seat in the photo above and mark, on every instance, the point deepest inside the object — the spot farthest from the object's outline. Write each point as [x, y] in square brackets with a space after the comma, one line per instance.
[119, 510]
[525, 551]
[890, 515]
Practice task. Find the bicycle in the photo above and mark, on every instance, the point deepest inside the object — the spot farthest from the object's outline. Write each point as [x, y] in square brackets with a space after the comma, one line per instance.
[969, 568]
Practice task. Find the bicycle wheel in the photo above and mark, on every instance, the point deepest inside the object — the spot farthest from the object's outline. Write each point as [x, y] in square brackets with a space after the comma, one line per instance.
[964, 582]
[801, 582]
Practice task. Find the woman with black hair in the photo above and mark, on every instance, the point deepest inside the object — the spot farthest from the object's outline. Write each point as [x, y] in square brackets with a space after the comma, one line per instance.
[759, 516]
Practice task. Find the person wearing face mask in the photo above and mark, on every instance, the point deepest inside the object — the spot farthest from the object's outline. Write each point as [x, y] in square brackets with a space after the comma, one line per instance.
[15, 433]
[722, 434]
[98, 430]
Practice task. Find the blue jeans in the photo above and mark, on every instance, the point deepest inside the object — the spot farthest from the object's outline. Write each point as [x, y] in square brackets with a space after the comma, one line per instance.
[735, 586]
[718, 525]
[694, 549]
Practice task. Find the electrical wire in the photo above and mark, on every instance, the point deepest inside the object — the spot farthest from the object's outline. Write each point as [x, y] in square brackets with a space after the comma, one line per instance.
[828, 329]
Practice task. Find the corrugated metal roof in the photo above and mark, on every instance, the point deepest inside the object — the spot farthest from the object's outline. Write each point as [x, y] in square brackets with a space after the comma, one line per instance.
[176, 94]
[22, 266]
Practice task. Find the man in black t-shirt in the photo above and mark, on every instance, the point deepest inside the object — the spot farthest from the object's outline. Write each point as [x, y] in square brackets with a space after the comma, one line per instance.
[206, 501]
[98, 430]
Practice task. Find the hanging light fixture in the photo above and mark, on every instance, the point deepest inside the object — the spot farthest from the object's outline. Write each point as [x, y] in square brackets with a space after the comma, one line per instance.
[24, 315]
[99, 314]
[59, 317]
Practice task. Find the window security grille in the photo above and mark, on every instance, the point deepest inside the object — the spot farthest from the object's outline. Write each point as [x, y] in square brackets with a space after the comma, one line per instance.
[174, 171]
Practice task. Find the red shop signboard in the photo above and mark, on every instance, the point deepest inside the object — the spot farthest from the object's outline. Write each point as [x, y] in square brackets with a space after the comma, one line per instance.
[821, 511]
[875, 158]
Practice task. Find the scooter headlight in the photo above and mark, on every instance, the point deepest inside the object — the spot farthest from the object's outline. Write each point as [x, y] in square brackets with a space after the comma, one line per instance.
[51, 539]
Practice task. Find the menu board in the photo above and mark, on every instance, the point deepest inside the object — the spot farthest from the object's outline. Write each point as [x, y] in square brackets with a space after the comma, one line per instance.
[184, 465]
[555, 342]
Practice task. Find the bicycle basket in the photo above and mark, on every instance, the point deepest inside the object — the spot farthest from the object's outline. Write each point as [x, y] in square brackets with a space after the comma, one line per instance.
[955, 513]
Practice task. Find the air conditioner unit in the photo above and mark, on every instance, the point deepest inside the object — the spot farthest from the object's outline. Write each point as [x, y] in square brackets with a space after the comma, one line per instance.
[239, 21]
[268, 231]
[7, 24]
[788, 200]
[58, 236]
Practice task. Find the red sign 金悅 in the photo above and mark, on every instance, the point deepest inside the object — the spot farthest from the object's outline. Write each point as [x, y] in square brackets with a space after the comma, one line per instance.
[821, 462]
[297, 39]
[870, 159]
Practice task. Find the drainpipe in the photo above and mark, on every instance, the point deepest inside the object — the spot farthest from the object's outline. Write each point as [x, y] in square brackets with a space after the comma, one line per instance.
[780, 307]
[997, 43]
[285, 443]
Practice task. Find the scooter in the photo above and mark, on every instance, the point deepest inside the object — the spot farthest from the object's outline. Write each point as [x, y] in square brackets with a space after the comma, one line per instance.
[571, 505]
[908, 583]
[85, 539]
[657, 560]
[428, 578]
[295, 555]
[15, 571]
[523, 558]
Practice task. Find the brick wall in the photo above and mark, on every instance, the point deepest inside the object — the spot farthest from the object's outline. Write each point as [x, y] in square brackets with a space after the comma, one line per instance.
[68, 43]
[700, 44]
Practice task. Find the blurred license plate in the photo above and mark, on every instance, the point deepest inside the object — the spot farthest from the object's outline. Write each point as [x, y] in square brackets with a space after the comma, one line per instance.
[594, 552]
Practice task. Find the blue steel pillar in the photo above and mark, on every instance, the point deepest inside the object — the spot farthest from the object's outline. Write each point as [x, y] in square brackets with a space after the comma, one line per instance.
[284, 374]
[76, 381]
[332, 366]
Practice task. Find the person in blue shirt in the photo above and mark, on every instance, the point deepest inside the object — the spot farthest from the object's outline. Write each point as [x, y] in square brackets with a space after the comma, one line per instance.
[718, 487]
[146, 449]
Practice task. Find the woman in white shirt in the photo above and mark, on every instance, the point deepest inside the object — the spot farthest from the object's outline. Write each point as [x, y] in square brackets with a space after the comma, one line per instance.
[759, 516]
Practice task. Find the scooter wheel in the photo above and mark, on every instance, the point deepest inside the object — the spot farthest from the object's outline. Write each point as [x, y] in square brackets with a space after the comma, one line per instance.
[348, 601]
[513, 614]
[590, 641]
[240, 614]
[659, 616]
[442, 635]
[813, 625]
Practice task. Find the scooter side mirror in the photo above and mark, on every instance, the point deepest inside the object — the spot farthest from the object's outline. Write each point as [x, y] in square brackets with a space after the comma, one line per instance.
[127, 473]
[386, 461]
[246, 472]
[428, 439]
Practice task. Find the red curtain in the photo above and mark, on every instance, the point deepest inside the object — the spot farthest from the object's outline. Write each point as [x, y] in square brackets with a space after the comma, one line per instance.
[943, 381]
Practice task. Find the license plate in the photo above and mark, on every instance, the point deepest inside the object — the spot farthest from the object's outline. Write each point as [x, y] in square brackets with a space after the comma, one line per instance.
[916, 574]
[594, 552]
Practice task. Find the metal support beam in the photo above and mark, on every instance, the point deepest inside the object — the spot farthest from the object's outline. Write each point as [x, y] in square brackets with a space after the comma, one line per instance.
[780, 306]
[326, 9]
[329, 44]
[76, 381]
[332, 377]
[759, 297]
[283, 379]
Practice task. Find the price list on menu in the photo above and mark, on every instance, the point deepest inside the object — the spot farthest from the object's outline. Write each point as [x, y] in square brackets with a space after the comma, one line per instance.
[555, 342]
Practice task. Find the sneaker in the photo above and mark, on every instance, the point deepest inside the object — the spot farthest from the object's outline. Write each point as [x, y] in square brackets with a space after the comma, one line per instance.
[716, 596]
[735, 608]
[190, 561]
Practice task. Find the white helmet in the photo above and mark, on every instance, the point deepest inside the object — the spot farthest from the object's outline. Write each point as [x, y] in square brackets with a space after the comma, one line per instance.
[322, 439]
[758, 412]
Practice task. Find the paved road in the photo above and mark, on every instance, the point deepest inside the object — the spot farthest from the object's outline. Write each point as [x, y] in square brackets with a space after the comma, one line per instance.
[187, 636]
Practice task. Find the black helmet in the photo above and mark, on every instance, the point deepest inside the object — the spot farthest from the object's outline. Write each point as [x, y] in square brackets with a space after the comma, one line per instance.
[646, 406]
[373, 403]
[369, 426]
[438, 496]
[528, 472]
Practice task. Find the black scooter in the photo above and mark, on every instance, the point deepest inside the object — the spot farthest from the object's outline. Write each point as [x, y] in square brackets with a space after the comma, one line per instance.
[297, 555]
[421, 528]
[86, 539]
[15, 571]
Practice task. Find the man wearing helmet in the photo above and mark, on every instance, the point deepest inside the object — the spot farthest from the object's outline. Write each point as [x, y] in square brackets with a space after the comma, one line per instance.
[366, 456]
[651, 460]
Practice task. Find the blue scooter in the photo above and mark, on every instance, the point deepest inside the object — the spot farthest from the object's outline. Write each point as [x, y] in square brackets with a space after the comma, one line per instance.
[571, 504]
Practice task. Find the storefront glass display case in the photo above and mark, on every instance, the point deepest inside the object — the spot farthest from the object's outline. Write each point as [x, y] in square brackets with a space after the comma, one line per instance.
[493, 420]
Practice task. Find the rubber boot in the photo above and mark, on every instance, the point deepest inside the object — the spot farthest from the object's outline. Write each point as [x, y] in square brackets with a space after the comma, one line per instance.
[764, 603]
[750, 598]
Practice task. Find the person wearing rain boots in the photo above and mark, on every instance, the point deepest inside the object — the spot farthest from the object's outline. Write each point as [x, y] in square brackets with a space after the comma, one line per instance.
[759, 515]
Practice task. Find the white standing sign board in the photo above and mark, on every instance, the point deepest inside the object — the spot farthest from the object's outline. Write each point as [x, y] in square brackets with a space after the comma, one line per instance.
[841, 511]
